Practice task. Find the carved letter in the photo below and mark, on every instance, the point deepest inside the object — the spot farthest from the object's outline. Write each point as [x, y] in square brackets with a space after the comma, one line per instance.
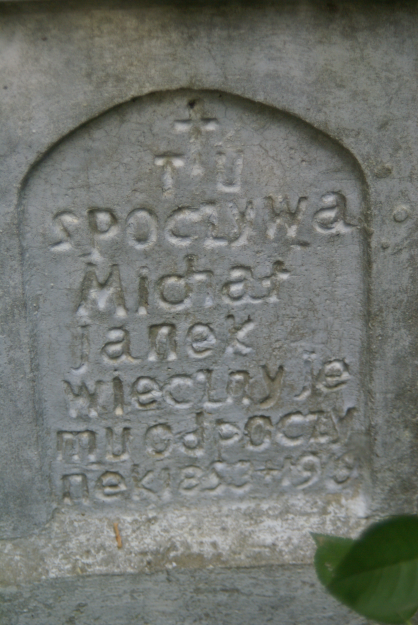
[200, 341]
[325, 431]
[190, 478]
[76, 447]
[82, 402]
[236, 475]
[141, 229]
[186, 225]
[237, 387]
[179, 392]
[202, 283]
[117, 348]
[333, 376]
[143, 292]
[330, 219]
[122, 451]
[229, 168]
[63, 225]
[258, 430]
[118, 397]
[101, 295]
[85, 351]
[174, 292]
[102, 223]
[274, 385]
[237, 288]
[306, 472]
[159, 440]
[169, 163]
[296, 429]
[155, 482]
[163, 342]
[282, 213]
[145, 393]
[75, 489]
[238, 334]
[193, 441]
[110, 484]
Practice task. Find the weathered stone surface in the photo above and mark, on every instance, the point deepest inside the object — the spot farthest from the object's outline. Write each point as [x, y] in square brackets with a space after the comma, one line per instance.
[266, 595]
[208, 294]
[194, 277]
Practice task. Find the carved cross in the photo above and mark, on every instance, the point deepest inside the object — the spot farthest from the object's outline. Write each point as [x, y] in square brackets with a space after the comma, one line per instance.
[196, 125]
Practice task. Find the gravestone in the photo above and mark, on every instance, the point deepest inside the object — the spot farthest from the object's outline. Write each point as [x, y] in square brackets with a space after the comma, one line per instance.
[193, 271]
[208, 347]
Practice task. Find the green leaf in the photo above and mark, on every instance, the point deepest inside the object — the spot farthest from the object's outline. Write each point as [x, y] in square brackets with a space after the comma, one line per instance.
[378, 577]
[330, 551]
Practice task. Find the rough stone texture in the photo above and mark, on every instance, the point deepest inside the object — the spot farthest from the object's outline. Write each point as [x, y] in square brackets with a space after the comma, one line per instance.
[283, 595]
[208, 295]
[198, 334]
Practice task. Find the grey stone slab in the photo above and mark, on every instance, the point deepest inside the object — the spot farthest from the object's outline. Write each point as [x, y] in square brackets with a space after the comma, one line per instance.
[284, 595]
[194, 278]
[208, 285]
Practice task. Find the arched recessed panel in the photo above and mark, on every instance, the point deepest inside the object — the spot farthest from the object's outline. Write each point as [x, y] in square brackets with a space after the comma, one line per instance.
[194, 268]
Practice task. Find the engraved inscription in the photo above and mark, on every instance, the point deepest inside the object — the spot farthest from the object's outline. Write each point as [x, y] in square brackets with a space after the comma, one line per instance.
[201, 328]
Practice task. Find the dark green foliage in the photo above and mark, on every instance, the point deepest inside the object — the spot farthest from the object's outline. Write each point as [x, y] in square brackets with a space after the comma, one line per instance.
[331, 550]
[377, 574]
